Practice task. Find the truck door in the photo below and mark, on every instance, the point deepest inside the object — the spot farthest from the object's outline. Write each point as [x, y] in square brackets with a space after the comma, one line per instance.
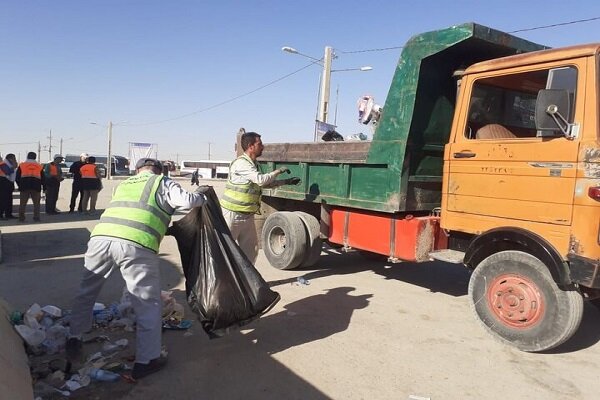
[501, 167]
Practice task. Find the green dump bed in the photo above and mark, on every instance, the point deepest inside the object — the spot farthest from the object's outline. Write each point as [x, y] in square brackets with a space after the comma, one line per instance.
[401, 168]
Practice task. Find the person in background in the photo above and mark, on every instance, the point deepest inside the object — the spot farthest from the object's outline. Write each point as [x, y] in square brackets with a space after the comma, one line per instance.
[76, 190]
[53, 176]
[30, 179]
[128, 237]
[195, 180]
[8, 171]
[90, 184]
[241, 199]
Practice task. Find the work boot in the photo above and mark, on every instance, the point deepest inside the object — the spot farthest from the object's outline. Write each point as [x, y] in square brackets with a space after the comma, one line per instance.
[141, 370]
[73, 349]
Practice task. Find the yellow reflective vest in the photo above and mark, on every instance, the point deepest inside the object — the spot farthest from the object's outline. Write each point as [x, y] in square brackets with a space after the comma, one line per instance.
[134, 214]
[244, 198]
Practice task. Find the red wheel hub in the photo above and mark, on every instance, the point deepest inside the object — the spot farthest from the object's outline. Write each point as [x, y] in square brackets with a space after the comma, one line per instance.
[515, 300]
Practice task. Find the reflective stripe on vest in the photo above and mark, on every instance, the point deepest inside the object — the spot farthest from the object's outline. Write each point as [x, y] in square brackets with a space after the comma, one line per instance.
[133, 214]
[31, 170]
[88, 171]
[243, 197]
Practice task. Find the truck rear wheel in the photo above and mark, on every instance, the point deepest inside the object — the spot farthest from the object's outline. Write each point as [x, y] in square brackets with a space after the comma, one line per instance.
[314, 243]
[518, 303]
[284, 240]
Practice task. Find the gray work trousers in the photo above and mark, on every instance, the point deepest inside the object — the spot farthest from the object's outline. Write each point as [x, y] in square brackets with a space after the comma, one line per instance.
[243, 232]
[140, 269]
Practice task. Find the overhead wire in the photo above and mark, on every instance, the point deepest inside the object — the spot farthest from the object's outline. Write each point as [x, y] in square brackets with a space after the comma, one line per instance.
[226, 101]
[315, 62]
[578, 21]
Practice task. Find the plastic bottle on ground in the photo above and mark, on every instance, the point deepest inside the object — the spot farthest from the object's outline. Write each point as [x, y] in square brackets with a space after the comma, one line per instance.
[103, 375]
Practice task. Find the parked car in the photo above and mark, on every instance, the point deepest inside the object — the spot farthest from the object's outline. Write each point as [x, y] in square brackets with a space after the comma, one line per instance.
[64, 167]
[102, 169]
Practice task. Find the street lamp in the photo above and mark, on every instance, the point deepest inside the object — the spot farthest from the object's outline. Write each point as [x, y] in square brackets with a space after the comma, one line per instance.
[325, 76]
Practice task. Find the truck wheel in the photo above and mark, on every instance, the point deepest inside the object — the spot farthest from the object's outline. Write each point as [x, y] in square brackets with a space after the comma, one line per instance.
[518, 303]
[284, 240]
[314, 244]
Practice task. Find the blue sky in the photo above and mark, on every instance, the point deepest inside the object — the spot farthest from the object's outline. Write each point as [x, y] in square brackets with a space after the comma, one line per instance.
[68, 63]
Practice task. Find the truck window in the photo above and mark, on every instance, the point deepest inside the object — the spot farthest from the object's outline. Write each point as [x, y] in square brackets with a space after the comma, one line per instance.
[503, 107]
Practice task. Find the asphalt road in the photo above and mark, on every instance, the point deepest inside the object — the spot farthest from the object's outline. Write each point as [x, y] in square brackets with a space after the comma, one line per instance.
[358, 330]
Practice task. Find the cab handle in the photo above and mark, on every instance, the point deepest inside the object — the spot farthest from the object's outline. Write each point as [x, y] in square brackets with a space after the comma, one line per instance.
[464, 154]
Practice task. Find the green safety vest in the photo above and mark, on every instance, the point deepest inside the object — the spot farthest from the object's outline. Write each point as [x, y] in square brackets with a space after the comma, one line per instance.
[133, 213]
[243, 197]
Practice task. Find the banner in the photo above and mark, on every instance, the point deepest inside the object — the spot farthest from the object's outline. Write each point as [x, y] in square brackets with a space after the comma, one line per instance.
[141, 150]
[321, 128]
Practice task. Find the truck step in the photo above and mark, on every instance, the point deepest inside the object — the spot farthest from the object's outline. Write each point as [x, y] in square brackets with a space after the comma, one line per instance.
[447, 255]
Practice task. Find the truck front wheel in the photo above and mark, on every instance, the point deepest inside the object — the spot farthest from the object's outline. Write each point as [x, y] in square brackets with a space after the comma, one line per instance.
[518, 303]
[284, 240]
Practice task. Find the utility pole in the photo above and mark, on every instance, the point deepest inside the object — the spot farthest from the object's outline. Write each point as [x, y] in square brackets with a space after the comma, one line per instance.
[61, 141]
[109, 157]
[325, 82]
[40, 150]
[49, 147]
[209, 143]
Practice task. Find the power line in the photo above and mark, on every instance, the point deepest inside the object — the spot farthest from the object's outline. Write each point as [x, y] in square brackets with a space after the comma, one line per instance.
[554, 25]
[225, 101]
[578, 21]
[316, 62]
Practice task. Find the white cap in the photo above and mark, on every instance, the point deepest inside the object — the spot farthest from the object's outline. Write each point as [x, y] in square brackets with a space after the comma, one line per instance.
[84, 155]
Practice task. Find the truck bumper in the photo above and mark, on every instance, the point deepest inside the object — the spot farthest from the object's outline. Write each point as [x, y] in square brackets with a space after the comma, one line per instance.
[584, 271]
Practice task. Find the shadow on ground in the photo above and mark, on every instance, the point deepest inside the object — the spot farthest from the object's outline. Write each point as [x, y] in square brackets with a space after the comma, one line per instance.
[451, 279]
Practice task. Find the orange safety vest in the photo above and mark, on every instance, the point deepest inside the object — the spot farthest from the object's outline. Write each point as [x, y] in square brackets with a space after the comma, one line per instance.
[53, 170]
[88, 171]
[31, 169]
[1, 171]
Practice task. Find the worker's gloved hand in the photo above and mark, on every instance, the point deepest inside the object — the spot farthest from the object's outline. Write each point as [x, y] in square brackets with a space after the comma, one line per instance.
[284, 170]
[202, 189]
[293, 181]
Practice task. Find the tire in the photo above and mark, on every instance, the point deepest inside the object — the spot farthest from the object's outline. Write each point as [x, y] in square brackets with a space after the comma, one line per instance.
[314, 243]
[284, 240]
[516, 300]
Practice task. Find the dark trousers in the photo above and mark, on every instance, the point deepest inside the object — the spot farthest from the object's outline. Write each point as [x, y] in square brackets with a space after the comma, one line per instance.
[77, 191]
[52, 188]
[6, 197]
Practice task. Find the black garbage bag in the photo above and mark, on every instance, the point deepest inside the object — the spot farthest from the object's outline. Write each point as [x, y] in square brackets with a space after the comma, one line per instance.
[222, 286]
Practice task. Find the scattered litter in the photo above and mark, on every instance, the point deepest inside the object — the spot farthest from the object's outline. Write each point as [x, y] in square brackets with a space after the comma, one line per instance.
[103, 375]
[302, 281]
[291, 313]
[177, 326]
[415, 397]
[109, 348]
[33, 337]
[53, 311]
[97, 338]
[188, 333]
[115, 367]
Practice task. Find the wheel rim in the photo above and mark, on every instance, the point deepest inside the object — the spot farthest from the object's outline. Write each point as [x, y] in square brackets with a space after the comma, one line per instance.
[277, 241]
[515, 300]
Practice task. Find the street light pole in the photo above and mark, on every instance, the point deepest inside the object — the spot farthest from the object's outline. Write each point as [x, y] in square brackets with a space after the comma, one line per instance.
[109, 158]
[325, 85]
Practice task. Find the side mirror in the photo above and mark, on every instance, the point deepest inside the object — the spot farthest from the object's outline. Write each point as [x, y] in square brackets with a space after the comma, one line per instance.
[552, 111]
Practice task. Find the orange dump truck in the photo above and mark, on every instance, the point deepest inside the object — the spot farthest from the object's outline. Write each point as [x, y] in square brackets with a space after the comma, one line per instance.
[487, 154]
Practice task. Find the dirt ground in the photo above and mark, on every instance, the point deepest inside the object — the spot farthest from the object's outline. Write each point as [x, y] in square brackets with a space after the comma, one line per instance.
[359, 330]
